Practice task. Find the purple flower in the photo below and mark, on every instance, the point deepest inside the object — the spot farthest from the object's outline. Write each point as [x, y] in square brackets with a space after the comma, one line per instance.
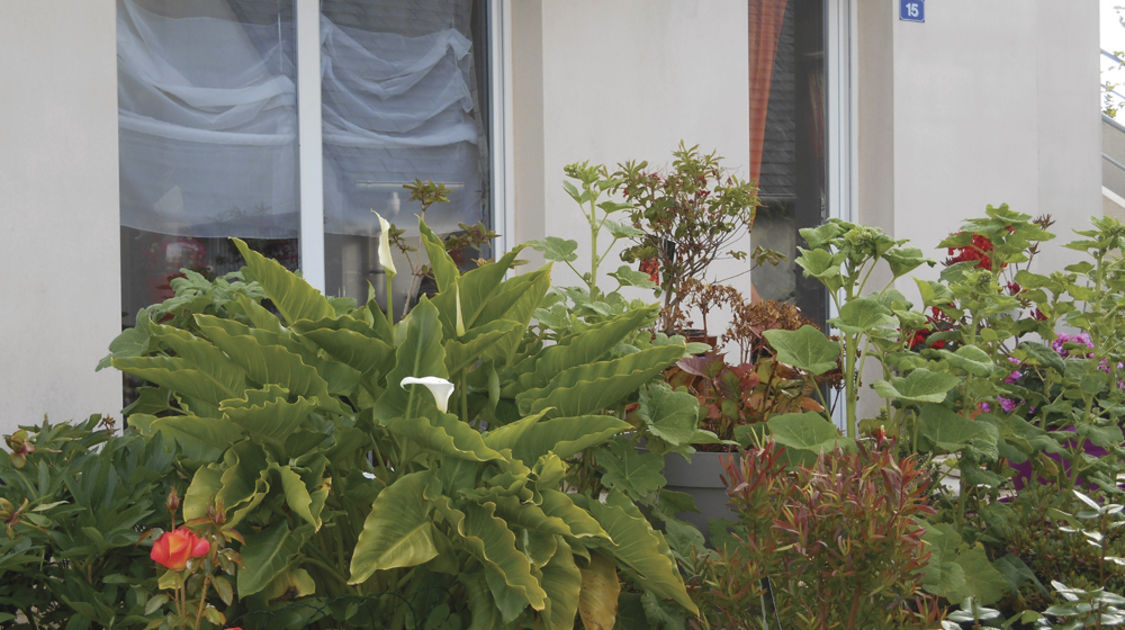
[1007, 404]
[985, 407]
[1059, 344]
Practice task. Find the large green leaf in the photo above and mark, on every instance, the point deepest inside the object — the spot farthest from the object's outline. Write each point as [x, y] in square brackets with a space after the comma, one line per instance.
[563, 583]
[244, 482]
[672, 416]
[494, 341]
[531, 437]
[297, 495]
[294, 298]
[475, 289]
[805, 348]
[948, 432]
[271, 364]
[517, 298]
[580, 521]
[351, 343]
[444, 434]
[203, 355]
[634, 472]
[808, 431]
[593, 344]
[495, 544]
[265, 555]
[921, 385]
[957, 570]
[266, 415]
[419, 355]
[444, 269]
[398, 531]
[592, 387]
[863, 315]
[597, 602]
[200, 438]
[180, 376]
[639, 548]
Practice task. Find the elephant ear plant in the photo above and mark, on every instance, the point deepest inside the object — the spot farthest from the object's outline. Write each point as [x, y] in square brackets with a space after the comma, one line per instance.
[311, 424]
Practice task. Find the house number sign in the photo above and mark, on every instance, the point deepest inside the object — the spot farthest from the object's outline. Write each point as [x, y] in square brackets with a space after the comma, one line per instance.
[912, 10]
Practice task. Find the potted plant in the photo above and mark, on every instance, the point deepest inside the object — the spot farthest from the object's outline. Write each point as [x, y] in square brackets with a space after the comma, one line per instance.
[686, 218]
[736, 398]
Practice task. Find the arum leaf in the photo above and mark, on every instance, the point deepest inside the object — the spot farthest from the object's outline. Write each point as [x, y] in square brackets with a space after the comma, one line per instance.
[531, 437]
[637, 546]
[297, 495]
[593, 344]
[200, 438]
[265, 556]
[397, 531]
[593, 387]
[444, 269]
[561, 578]
[805, 348]
[294, 298]
[597, 603]
[420, 354]
[517, 298]
[266, 416]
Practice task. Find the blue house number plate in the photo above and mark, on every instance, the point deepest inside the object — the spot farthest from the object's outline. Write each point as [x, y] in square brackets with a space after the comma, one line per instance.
[912, 10]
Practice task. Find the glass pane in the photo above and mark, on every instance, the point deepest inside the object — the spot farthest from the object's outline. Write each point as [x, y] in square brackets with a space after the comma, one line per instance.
[207, 118]
[790, 86]
[403, 99]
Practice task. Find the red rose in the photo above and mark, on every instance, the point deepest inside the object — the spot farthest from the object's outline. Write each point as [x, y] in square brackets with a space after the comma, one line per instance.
[174, 548]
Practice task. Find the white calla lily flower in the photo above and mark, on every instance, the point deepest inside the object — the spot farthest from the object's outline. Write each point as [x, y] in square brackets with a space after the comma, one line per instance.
[385, 259]
[439, 387]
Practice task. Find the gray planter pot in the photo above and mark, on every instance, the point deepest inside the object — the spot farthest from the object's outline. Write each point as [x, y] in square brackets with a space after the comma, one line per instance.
[700, 478]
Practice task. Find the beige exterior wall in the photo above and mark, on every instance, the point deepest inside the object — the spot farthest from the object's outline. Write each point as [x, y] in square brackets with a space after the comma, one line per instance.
[59, 243]
[613, 81]
[984, 103]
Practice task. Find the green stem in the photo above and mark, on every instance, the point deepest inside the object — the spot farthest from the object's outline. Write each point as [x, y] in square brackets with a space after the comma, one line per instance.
[391, 297]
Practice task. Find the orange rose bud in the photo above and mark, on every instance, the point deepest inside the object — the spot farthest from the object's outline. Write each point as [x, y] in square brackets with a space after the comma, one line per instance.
[174, 548]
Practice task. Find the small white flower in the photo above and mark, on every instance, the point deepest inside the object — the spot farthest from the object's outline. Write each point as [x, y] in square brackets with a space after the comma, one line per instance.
[439, 387]
[368, 475]
[385, 245]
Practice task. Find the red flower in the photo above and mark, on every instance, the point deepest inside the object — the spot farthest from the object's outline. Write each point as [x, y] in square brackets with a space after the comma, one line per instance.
[979, 249]
[174, 548]
[651, 266]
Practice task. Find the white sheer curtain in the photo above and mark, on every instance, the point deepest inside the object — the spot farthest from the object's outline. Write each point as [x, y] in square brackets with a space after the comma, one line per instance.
[207, 113]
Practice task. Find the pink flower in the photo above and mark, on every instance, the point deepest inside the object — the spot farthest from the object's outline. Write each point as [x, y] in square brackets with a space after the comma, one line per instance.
[1007, 404]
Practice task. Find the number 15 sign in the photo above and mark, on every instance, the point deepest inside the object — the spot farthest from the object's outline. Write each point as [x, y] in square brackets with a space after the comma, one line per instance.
[912, 10]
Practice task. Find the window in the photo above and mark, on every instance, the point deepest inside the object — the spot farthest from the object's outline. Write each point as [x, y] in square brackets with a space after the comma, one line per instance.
[788, 99]
[210, 125]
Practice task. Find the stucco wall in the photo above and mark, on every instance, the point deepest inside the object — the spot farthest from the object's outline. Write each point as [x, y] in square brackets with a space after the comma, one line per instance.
[986, 103]
[612, 81]
[59, 243]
